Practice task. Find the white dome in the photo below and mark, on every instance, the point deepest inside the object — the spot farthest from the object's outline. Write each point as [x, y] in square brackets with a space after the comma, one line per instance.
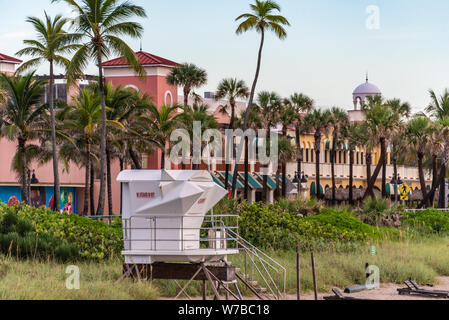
[367, 89]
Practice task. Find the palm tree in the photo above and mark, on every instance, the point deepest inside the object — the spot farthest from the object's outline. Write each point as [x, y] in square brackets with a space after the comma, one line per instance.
[196, 113]
[319, 121]
[286, 153]
[231, 89]
[188, 76]
[354, 134]
[419, 132]
[160, 126]
[339, 121]
[402, 110]
[51, 44]
[381, 121]
[287, 117]
[21, 118]
[269, 104]
[103, 23]
[254, 123]
[439, 110]
[82, 121]
[261, 19]
[303, 105]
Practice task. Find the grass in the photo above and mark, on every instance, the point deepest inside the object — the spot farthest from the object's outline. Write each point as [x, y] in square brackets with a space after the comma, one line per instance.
[423, 260]
[31, 280]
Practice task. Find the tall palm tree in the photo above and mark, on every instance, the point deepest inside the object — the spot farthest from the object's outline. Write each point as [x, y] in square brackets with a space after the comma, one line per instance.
[339, 121]
[104, 23]
[254, 123]
[303, 105]
[269, 104]
[439, 110]
[403, 111]
[381, 121]
[319, 121]
[188, 76]
[21, 117]
[231, 89]
[52, 43]
[287, 117]
[262, 19]
[159, 127]
[419, 132]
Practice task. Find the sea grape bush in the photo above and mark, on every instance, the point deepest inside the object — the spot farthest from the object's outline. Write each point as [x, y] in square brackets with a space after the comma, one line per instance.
[93, 240]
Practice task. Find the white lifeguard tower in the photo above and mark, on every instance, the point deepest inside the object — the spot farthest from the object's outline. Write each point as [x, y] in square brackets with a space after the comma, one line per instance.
[163, 215]
[170, 235]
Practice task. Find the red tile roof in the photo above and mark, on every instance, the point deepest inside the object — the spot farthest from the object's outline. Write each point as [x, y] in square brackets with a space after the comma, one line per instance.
[145, 59]
[4, 57]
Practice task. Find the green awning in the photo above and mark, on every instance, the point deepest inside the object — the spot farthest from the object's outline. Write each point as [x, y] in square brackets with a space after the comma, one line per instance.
[286, 179]
[313, 189]
[429, 188]
[231, 180]
[328, 145]
[253, 183]
[388, 189]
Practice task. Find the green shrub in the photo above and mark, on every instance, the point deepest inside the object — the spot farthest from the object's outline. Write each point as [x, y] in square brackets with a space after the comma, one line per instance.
[91, 239]
[271, 227]
[428, 221]
[19, 238]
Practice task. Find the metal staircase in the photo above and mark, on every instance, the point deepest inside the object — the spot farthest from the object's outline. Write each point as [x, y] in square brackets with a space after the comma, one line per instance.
[261, 274]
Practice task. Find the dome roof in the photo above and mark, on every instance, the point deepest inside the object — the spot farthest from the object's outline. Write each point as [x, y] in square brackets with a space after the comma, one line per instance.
[367, 89]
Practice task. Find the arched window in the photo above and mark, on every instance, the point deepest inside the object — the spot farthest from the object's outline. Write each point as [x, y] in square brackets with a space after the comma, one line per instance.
[307, 155]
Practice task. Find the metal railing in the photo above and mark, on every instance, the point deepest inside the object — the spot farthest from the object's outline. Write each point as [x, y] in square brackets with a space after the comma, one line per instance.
[174, 233]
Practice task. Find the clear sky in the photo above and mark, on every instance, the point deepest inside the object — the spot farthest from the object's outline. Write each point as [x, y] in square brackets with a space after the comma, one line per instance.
[328, 50]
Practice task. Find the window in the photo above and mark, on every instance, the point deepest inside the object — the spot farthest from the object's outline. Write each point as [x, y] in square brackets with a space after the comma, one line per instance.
[362, 159]
[307, 155]
[357, 158]
[311, 155]
[339, 157]
[325, 156]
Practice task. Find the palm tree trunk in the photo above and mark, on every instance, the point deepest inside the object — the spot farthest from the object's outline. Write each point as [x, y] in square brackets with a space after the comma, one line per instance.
[442, 198]
[396, 191]
[278, 187]
[251, 99]
[227, 166]
[24, 173]
[299, 158]
[441, 176]
[91, 190]
[373, 179]
[246, 168]
[351, 177]
[186, 97]
[265, 177]
[135, 159]
[317, 165]
[122, 166]
[101, 197]
[86, 182]
[333, 155]
[57, 189]
[369, 162]
[163, 159]
[384, 177]
[422, 179]
[109, 180]
[434, 179]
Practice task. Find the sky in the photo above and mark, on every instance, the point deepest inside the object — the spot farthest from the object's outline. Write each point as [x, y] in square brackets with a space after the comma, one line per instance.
[331, 44]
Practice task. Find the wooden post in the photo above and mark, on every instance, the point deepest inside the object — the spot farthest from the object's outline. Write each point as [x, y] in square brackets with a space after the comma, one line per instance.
[298, 276]
[204, 290]
[315, 289]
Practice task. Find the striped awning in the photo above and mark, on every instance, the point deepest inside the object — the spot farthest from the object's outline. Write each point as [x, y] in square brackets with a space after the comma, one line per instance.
[253, 183]
[231, 180]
